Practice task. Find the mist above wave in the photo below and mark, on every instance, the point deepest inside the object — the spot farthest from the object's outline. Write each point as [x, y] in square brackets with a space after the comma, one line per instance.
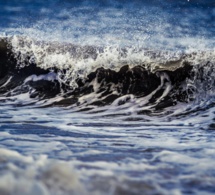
[151, 24]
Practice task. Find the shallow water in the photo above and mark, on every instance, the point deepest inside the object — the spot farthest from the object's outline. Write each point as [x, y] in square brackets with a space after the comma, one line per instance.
[79, 153]
[75, 119]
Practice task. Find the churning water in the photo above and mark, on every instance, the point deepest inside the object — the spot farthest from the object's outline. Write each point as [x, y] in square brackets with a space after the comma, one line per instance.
[107, 97]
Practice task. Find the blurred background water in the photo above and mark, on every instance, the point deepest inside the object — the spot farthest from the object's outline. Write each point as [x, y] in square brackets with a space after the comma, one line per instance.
[166, 24]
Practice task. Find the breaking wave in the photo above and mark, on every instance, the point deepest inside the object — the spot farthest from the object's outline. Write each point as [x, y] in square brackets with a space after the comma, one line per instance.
[64, 74]
[107, 97]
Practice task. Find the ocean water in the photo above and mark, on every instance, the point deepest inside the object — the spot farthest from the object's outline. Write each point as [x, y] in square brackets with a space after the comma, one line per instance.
[110, 97]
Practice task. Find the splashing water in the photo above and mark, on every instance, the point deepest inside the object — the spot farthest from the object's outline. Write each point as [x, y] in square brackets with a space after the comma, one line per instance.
[107, 97]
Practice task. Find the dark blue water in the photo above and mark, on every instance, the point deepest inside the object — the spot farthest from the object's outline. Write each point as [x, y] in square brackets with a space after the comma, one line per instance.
[157, 143]
[164, 23]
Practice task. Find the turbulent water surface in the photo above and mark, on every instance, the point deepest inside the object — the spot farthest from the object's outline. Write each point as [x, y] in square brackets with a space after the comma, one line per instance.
[107, 97]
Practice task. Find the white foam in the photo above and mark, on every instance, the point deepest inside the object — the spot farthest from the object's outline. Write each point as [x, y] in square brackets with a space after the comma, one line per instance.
[51, 76]
[4, 153]
[39, 175]
[80, 61]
